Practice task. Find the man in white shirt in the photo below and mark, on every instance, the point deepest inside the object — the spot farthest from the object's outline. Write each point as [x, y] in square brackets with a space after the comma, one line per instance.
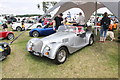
[80, 20]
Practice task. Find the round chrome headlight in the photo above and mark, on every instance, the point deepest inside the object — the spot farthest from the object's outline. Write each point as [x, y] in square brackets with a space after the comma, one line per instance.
[30, 43]
[4, 45]
[47, 48]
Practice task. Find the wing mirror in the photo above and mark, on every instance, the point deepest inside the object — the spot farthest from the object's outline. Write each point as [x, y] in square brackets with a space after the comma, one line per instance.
[81, 34]
[78, 34]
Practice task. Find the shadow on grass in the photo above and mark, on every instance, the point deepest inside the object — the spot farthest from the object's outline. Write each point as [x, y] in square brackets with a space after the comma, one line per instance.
[118, 41]
[77, 52]
[43, 60]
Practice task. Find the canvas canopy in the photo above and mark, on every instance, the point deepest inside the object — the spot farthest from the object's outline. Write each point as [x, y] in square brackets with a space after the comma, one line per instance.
[88, 6]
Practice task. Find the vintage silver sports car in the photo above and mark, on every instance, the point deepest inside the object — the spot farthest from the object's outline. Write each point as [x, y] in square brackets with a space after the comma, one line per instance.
[57, 46]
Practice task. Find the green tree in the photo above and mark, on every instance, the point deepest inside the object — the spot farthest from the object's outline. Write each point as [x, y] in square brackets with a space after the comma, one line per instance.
[53, 3]
[46, 5]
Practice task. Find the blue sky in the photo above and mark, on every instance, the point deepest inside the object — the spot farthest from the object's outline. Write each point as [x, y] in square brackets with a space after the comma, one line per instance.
[28, 7]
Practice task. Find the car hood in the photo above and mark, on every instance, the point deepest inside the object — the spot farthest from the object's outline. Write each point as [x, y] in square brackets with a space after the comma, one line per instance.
[57, 37]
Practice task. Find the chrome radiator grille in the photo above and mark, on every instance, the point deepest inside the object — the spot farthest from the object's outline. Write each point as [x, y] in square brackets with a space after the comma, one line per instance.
[38, 46]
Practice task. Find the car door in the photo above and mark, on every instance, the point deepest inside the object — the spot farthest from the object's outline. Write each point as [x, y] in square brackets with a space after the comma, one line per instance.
[27, 25]
[79, 40]
[48, 31]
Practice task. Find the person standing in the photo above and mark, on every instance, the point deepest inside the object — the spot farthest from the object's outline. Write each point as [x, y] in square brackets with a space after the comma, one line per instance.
[57, 21]
[80, 20]
[69, 16]
[65, 20]
[22, 24]
[105, 22]
[4, 25]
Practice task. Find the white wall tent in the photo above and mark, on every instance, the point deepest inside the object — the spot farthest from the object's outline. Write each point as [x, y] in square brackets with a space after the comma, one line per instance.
[88, 6]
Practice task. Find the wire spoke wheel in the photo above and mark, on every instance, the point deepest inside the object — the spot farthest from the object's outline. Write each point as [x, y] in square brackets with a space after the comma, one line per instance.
[35, 34]
[10, 36]
[61, 55]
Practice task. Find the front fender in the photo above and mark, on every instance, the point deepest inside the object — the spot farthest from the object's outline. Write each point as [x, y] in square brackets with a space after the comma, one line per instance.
[53, 49]
[33, 40]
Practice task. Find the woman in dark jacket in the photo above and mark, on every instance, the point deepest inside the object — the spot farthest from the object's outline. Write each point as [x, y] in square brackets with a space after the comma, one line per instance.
[105, 22]
[4, 25]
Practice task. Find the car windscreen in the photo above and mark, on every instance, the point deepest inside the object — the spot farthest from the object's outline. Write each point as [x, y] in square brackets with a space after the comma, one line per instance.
[48, 20]
[68, 28]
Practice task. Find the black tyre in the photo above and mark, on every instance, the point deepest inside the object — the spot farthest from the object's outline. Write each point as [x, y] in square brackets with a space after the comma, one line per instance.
[2, 57]
[35, 34]
[31, 53]
[39, 26]
[61, 55]
[4, 54]
[91, 40]
[10, 36]
[8, 51]
[119, 37]
[19, 28]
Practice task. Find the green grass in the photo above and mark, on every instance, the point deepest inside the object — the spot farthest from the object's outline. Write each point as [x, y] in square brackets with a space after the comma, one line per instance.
[97, 61]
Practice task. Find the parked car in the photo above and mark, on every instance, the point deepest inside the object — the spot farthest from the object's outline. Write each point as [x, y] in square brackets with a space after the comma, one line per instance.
[18, 26]
[37, 32]
[47, 20]
[67, 40]
[7, 34]
[1, 23]
[118, 32]
[4, 51]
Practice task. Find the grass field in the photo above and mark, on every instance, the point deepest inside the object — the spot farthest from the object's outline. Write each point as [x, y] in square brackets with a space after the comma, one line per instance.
[97, 61]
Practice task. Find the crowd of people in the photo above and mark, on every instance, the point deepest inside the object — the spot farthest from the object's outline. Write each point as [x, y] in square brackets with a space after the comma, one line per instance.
[106, 29]
[8, 21]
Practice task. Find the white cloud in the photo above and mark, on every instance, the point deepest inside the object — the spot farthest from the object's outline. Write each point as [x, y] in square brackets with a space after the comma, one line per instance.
[103, 10]
[24, 7]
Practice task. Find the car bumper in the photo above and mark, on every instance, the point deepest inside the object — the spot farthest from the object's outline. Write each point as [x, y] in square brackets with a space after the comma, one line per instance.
[30, 33]
[36, 53]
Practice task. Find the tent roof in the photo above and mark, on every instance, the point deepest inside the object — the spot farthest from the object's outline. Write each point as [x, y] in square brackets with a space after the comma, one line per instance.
[88, 6]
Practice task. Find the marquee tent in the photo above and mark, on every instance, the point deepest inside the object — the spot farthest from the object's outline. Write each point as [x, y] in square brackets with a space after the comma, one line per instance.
[88, 6]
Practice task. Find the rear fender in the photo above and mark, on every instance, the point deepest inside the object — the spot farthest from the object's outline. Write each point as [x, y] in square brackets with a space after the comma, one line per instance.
[88, 35]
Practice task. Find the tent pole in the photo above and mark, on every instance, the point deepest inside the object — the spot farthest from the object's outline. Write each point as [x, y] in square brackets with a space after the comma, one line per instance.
[95, 12]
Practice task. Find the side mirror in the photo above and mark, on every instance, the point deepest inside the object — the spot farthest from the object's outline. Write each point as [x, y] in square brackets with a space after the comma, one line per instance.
[81, 35]
[77, 34]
